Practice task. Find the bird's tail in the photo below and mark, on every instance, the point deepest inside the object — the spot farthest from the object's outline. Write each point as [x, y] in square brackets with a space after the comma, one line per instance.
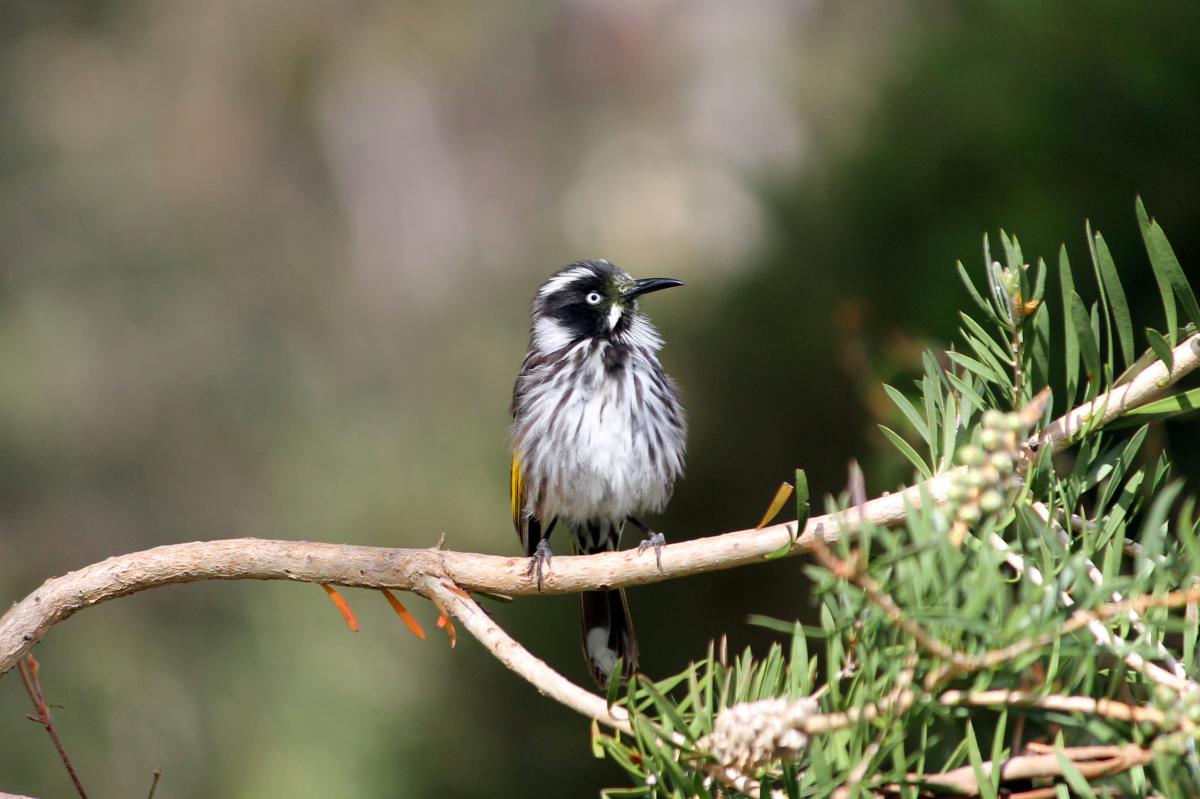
[608, 634]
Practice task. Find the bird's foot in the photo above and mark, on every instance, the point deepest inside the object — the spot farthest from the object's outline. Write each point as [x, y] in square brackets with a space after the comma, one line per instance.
[541, 555]
[656, 540]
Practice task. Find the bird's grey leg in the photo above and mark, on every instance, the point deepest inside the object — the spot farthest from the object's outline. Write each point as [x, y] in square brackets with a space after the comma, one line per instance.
[652, 539]
[541, 554]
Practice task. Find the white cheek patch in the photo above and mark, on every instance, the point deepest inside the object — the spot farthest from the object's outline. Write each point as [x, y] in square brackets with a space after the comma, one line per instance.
[614, 315]
[550, 336]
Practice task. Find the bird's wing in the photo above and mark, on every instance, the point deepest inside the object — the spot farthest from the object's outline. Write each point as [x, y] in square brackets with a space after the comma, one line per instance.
[528, 525]
[517, 495]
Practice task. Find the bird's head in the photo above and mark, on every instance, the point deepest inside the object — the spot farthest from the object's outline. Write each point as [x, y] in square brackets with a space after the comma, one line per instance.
[590, 299]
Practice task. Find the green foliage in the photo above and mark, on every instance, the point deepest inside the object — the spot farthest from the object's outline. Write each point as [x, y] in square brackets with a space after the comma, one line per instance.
[981, 591]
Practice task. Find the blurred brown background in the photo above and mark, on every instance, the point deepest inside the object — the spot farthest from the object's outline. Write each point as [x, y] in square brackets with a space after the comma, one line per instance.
[265, 270]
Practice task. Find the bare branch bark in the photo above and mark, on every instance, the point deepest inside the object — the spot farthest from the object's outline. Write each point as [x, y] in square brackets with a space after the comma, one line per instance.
[410, 569]
[516, 657]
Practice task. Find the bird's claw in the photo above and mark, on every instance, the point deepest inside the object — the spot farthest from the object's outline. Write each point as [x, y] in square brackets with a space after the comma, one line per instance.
[541, 555]
[656, 540]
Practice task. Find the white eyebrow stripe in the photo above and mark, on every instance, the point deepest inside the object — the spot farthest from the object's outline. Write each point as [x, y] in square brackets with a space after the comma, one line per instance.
[614, 315]
[561, 281]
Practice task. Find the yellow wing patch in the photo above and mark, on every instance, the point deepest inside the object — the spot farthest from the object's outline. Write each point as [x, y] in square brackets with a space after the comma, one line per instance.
[517, 494]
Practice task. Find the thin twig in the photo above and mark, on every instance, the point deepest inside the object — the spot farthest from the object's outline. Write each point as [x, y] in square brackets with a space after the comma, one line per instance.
[1078, 620]
[1016, 345]
[154, 784]
[849, 570]
[1092, 762]
[859, 772]
[33, 686]
[1147, 384]
[901, 700]
[1096, 576]
[960, 663]
[1100, 633]
[532, 669]
[1085, 705]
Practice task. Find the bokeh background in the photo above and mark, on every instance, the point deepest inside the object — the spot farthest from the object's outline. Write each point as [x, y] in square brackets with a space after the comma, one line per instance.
[265, 270]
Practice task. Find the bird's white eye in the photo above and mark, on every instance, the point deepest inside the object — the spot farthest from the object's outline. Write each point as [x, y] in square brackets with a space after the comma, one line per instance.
[593, 298]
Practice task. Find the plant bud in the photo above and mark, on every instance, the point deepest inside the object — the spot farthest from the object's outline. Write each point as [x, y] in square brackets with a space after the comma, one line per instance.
[990, 439]
[970, 455]
[1172, 745]
[1001, 461]
[1164, 696]
[969, 513]
[990, 501]
[993, 419]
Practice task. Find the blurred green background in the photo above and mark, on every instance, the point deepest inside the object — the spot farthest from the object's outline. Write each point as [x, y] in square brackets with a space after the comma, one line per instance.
[265, 270]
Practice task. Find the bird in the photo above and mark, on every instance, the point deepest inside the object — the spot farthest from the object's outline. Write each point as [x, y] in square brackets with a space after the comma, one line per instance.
[598, 436]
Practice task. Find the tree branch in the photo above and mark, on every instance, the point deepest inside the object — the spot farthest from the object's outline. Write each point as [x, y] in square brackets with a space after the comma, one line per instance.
[516, 657]
[409, 569]
[1147, 384]
[1092, 763]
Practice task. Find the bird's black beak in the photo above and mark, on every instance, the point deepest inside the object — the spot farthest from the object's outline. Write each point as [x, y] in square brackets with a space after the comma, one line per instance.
[649, 284]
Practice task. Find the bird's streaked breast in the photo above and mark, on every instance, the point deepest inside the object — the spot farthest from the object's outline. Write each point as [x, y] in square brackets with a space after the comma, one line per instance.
[599, 431]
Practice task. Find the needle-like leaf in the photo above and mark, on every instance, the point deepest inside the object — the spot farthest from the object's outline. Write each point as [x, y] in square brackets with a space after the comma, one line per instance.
[409, 620]
[342, 606]
[777, 502]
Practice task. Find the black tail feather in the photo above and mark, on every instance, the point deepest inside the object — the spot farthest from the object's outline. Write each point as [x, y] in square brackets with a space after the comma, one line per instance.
[607, 634]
